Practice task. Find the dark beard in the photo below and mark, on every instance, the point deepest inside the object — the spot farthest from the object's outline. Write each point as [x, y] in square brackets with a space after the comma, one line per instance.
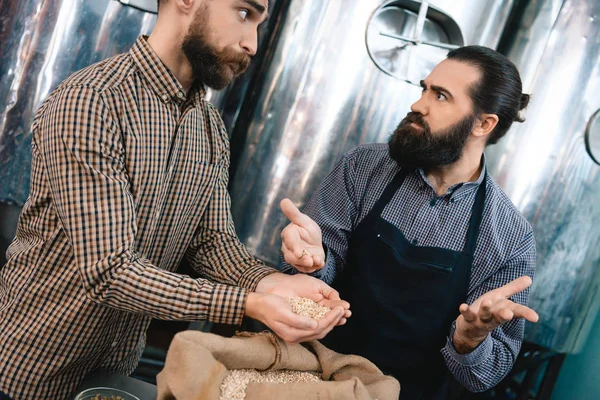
[215, 69]
[419, 148]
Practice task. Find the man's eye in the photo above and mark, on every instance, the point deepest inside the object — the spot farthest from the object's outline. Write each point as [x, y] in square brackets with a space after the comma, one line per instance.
[244, 14]
[441, 96]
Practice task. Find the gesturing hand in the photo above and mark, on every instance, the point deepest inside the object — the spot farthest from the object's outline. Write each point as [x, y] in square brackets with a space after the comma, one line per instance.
[301, 241]
[488, 312]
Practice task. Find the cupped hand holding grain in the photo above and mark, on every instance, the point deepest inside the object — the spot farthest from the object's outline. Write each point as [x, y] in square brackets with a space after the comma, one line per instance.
[305, 286]
[276, 313]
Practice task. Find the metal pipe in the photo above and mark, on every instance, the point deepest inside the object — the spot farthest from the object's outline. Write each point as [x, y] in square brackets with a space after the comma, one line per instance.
[417, 42]
[421, 20]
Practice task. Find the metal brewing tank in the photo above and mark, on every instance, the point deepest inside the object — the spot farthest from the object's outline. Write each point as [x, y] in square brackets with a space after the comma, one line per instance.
[42, 42]
[546, 168]
[337, 79]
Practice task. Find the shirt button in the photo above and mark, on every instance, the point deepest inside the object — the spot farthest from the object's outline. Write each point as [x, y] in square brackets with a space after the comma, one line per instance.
[113, 344]
[415, 242]
[180, 95]
[157, 215]
[432, 202]
[165, 97]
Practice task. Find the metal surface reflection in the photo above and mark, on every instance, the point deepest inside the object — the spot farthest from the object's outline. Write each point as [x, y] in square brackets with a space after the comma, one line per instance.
[144, 5]
[42, 42]
[545, 169]
[48, 41]
[322, 96]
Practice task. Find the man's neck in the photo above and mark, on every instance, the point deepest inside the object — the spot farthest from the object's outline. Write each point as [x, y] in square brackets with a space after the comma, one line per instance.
[466, 169]
[167, 47]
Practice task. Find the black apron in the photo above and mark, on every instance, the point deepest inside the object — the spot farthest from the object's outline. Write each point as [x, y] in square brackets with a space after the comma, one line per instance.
[403, 298]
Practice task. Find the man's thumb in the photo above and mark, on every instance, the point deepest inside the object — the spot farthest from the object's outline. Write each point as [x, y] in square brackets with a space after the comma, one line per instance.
[292, 212]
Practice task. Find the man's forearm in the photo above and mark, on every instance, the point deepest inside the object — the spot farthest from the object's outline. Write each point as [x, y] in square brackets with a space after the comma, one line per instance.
[463, 344]
[135, 285]
[222, 258]
[486, 364]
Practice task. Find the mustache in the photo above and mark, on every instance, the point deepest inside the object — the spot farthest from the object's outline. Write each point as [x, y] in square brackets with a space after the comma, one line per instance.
[241, 61]
[416, 118]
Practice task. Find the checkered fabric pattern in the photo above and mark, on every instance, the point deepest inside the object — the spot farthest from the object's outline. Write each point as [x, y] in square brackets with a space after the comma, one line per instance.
[129, 175]
[505, 247]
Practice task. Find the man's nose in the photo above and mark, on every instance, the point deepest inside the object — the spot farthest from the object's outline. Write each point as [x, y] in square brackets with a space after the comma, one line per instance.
[250, 43]
[420, 106]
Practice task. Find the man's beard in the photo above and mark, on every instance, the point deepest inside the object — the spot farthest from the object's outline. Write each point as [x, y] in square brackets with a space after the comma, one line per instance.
[419, 148]
[213, 68]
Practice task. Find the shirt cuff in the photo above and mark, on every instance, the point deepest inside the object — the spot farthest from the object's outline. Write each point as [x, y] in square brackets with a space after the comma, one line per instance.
[318, 273]
[477, 356]
[252, 275]
[227, 304]
[329, 266]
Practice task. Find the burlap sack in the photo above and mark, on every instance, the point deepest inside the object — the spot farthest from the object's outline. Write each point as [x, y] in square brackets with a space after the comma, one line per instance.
[197, 363]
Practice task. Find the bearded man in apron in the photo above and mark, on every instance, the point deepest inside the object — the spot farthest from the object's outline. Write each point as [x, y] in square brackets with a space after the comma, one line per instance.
[433, 257]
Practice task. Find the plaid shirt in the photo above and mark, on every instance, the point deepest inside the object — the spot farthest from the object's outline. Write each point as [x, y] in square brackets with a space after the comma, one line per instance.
[505, 247]
[129, 175]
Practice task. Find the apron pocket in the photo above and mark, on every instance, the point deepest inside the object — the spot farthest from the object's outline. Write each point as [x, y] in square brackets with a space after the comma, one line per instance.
[411, 264]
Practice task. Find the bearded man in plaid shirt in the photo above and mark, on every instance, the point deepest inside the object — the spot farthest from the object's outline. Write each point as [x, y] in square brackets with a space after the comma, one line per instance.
[129, 175]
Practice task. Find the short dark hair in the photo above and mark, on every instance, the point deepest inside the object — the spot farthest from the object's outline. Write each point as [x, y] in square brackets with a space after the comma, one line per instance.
[498, 91]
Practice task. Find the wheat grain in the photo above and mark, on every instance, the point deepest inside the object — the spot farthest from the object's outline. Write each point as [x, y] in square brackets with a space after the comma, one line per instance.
[234, 384]
[307, 307]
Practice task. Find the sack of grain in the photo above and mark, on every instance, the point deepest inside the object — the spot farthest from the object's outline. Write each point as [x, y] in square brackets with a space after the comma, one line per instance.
[198, 364]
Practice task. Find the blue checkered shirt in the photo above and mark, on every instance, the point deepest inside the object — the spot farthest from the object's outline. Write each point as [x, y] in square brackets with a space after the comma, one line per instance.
[505, 247]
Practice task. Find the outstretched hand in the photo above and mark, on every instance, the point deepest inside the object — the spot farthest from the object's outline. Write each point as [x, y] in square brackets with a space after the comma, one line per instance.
[488, 312]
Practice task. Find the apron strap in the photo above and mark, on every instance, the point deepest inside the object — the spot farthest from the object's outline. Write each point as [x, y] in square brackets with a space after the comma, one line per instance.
[389, 192]
[476, 217]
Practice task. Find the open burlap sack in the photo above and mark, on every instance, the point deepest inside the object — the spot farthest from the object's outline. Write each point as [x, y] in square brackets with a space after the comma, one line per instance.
[198, 362]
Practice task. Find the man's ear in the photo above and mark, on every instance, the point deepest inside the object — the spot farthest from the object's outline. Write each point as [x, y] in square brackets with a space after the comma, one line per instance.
[485, 125]
[186, 6]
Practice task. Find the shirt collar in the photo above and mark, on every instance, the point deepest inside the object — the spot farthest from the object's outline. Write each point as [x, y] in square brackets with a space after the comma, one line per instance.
[459, 189]
[159, 77]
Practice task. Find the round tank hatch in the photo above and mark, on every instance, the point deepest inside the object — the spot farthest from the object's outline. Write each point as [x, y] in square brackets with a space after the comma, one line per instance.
[592, 137]
[406, 39]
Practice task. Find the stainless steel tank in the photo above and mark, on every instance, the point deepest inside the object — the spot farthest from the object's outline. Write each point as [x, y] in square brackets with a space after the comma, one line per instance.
[546, 165]
[42, 42]
[339, 76]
